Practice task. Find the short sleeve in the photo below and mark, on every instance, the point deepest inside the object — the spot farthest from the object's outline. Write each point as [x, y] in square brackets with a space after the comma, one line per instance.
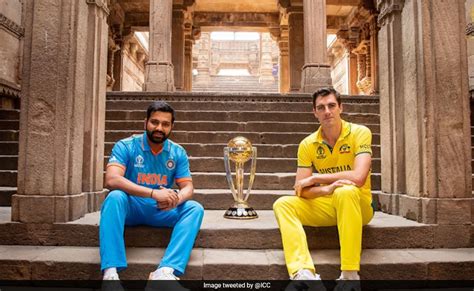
[120, 155]
[182, 167]
[363, 141]
[304, 156]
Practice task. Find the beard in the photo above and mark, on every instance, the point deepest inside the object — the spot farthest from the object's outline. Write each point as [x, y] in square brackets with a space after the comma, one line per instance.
[155, 138]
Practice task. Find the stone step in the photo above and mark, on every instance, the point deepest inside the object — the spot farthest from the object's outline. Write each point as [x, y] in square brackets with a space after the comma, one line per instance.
[215, 180]
[264, 165]
[236, 106]
[9, 124]
[250, 126]
[217, 149]
[83, 263]
[9, 162]
[9, 135]
[237, 116]
[389, 231]
[223, 137]
[6, 195]
[9, 114]
[8, 178]
[8, 148]
[263, 181]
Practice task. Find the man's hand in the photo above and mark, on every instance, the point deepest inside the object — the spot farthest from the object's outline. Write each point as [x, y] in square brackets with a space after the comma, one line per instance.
[166, 199]
[303, 183]
[339, 183]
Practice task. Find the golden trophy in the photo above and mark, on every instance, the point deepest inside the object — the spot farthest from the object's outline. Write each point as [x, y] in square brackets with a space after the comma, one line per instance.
[239, 150]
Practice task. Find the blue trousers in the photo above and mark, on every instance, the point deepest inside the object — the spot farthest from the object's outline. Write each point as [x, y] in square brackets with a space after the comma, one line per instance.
[120, 209]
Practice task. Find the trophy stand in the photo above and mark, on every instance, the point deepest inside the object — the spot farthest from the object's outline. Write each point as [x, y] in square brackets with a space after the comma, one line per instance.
[239, 150]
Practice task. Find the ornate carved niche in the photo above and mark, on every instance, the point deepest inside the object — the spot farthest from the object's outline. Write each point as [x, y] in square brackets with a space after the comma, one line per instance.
[364, 79]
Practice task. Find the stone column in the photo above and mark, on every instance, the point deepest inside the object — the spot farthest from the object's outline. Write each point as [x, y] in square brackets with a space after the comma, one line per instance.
[316, 70]
[349, 38]
[188, 57]
[295, 47]
[177, 44]
[374, 50]
[470, 43]
[94, 112]
[203, 66]
[64, 77]
[392, 137]
[284, 72]
[436, 132]
[266, 65]
[159, 69]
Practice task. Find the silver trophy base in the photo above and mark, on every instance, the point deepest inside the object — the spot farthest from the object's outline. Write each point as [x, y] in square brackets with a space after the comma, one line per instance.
[240, 213]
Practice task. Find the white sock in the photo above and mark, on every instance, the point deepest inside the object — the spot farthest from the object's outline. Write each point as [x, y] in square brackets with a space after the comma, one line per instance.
[350, 275]
[110, 271]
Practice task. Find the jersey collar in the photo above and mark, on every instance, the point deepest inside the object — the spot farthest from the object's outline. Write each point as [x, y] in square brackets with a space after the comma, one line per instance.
[146, 146]
[346, 130]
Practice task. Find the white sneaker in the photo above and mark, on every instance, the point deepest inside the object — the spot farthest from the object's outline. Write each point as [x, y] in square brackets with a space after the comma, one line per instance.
[113, 276]
[111, 282]
[305, 274]
[164, 273]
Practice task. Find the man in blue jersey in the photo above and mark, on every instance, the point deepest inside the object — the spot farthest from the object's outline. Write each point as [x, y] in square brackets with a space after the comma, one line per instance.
[140, 173]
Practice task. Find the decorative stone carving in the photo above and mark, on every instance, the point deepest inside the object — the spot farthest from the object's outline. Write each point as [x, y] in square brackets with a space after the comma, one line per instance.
[387, 8]
[11, 26]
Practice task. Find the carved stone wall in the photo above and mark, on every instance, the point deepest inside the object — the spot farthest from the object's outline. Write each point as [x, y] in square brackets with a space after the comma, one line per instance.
[11, 42]
[134, 58]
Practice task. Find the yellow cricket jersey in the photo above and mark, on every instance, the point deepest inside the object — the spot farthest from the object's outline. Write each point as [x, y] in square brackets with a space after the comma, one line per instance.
[354, 140]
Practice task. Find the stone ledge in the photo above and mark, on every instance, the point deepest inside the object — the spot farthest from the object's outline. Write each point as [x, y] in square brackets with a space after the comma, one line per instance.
[392, 232]
[83, 263]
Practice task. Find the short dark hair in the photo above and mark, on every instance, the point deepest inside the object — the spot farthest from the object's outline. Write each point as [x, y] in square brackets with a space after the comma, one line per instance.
[161, 106]
[323, 92]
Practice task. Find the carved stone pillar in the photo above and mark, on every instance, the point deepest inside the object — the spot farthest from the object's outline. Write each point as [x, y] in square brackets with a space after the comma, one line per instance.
[60, 148]
[188, 57]
[392, 137]
[316, 70]
[94, 112]
[203, 65]
[266, 65]
[284, 72]
[177, 44]
[364, 81]
[435, 115]
[296, 48]
[374, 50]
[349, 39]
[159, 69]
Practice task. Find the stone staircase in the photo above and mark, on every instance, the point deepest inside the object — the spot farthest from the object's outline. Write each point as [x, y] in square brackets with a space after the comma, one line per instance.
[234, 84]
[394, 247]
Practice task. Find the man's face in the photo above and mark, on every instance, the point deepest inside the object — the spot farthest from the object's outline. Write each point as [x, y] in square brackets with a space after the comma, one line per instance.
[158, 127]
[327, 110]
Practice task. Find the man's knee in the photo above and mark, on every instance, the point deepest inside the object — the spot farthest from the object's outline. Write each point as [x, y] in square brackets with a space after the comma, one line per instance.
[116, 196]
[347, 192]
[282, 203]
[195, 207]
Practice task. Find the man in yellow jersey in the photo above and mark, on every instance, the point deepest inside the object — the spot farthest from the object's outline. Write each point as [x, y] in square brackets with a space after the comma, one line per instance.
[338, 194]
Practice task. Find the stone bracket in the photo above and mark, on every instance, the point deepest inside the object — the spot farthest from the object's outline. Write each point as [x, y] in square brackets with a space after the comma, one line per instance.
[470, 29]
[388, 8]
[11, 26]
[100, 4]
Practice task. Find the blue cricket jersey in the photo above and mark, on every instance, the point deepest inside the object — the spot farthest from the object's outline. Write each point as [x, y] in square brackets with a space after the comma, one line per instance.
[144, 167]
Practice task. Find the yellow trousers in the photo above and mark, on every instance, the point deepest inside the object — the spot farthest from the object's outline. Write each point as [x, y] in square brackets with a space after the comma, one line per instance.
[347, 208]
